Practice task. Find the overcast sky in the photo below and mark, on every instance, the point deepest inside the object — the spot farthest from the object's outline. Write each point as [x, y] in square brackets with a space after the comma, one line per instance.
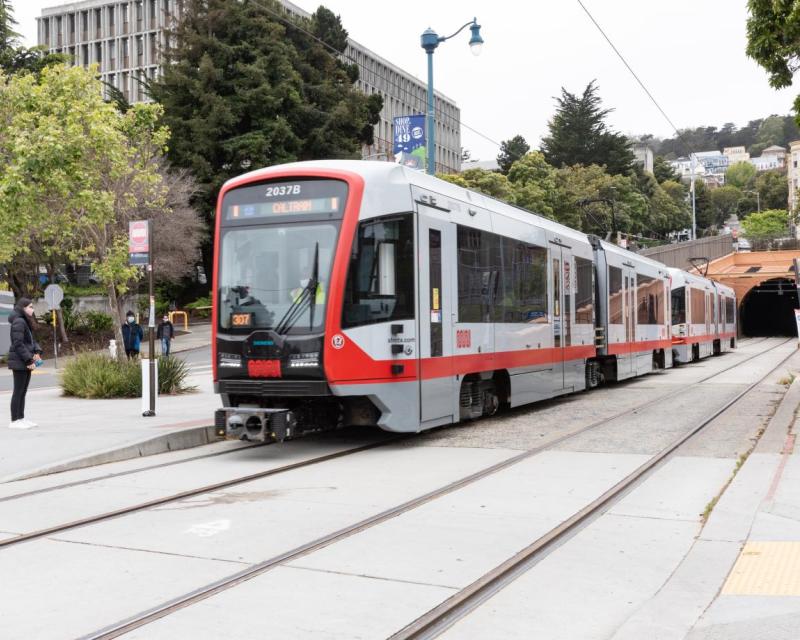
[689, 53]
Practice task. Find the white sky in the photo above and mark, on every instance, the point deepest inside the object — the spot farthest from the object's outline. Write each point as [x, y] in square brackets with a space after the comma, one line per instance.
[689, 53]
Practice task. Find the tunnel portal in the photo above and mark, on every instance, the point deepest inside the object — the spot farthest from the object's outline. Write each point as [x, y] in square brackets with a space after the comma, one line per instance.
[768, 309]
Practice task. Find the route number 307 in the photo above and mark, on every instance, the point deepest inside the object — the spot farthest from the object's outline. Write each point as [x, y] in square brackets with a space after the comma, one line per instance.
[283, 190]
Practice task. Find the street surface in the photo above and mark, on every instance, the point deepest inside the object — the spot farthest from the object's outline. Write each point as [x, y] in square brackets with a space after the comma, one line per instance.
[648, 567]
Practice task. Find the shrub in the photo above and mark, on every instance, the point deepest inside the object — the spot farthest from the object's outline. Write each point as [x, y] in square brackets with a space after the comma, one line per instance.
[92, 375]
[97, 321]
[172, 374]
[200, 302]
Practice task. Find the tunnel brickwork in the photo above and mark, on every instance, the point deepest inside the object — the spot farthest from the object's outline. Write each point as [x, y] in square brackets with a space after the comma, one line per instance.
[764, 282]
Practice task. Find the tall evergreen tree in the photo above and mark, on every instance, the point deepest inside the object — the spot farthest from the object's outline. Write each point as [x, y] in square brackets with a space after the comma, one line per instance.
[244, 89]
[511, 151]
[9, 38]
[579, 134]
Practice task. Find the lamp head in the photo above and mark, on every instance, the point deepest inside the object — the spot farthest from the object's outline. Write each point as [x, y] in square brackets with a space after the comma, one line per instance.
[475, 42]
[429, 40]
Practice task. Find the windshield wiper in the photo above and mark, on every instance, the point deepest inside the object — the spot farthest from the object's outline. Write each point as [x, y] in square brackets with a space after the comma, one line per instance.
[307, 298]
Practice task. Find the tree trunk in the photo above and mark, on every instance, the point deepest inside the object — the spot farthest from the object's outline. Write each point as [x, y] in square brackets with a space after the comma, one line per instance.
[116, 318]
[62, 330]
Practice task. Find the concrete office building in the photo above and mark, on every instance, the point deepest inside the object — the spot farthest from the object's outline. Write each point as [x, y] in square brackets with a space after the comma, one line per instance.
[126, 38]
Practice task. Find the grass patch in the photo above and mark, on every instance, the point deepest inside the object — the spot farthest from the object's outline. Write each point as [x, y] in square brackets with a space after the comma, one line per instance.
[787, 380]
[92, 375]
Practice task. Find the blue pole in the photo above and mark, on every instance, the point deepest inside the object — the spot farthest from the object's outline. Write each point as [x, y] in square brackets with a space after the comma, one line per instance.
[430, 125]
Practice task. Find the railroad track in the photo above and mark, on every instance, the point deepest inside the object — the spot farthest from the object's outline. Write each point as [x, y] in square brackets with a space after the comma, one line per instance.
[443, 616]
[225, 484]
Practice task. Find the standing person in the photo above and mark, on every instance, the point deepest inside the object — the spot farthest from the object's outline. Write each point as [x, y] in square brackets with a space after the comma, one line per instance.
[165, 333]
[132, 335]
[23, 357]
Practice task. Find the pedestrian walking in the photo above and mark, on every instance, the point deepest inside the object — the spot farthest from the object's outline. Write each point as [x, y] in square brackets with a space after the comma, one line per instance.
[132, 335]
[24, 356]
[165, 333]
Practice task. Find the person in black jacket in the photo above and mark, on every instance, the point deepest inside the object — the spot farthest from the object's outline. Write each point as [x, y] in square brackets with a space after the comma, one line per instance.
[132, 335]
[165, 333]
[23, 357]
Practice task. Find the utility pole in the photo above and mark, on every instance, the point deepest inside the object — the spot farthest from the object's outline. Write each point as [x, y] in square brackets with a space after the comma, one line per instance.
[694, 209]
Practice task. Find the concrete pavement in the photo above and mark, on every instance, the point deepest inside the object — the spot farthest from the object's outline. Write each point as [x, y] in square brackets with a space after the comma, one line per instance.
[74, 432]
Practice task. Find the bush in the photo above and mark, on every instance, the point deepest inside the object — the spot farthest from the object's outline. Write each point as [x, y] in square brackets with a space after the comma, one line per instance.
[200, 302]
[97, 321]
[92, 375]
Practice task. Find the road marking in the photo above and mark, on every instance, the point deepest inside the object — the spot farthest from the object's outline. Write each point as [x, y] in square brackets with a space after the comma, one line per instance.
[766, 569]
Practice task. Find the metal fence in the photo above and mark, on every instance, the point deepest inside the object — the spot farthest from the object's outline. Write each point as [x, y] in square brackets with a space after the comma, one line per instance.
[678, 255]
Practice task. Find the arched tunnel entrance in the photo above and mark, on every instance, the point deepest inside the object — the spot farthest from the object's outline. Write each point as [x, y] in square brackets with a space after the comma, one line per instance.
[768, 309]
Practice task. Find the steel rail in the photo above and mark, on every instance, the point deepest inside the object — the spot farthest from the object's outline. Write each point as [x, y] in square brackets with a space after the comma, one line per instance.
[151, 615]
[190, 493]
[460, 604]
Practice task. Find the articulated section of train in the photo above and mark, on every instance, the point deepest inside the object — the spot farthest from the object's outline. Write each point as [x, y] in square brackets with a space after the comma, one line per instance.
[365, 293]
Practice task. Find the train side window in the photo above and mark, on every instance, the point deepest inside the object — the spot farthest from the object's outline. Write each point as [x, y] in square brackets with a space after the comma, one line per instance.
[584, 297]
[679, 305]
[647, 303]
[523, 284]
[479, 267]
[380, 278]
[730, 310]
[698, 311]
[614, 295]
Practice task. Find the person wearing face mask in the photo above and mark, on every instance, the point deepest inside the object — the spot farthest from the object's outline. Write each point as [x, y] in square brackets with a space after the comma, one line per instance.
[23, 356]
[165, 333]
[132, 335]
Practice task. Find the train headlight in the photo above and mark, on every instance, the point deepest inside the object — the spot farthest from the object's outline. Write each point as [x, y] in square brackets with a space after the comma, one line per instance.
[230, 360]
[300, 360]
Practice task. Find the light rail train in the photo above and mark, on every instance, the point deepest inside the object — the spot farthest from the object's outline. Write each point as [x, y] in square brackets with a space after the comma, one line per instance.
[366, 293]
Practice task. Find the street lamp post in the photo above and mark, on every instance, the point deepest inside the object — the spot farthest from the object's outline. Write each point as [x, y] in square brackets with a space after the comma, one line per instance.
[429, 41]
[758, 198]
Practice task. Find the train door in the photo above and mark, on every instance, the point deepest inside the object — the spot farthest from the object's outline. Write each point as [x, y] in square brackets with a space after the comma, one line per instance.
[561, 280]
[625, 359]
[709, 312]
[436, 242]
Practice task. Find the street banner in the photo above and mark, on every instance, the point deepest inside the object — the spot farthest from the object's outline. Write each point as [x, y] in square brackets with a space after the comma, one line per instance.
[797, 321]
[139, 241]
[409, 141]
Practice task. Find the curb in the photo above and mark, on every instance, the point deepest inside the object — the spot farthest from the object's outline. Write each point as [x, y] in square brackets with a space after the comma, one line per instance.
[174, 441]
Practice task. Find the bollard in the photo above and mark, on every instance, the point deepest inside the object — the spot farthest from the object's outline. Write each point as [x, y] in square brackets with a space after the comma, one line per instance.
[112, 349]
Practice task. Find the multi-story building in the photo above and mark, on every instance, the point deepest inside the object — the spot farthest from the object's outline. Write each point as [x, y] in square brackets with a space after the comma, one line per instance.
[736, 154]
[126, 38]
[793, 174]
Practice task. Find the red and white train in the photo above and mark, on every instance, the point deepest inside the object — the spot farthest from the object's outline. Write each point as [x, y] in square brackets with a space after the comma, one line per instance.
[366, 293]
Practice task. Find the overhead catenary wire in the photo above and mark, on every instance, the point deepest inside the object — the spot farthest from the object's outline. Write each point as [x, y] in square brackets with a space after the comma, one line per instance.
[638, 80]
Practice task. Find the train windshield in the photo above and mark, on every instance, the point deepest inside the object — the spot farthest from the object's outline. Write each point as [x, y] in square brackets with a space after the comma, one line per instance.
[276, 276]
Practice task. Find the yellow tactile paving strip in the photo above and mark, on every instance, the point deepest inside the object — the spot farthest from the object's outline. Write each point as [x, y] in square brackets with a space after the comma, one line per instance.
[766, 569]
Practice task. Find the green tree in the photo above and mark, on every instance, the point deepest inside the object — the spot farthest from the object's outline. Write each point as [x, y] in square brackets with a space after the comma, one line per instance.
[578, 134]
[761, 228]
[773, 42]
[76, 170]
[741, 175]
[704, 210]
[491, 183]
[724, 202]
[773, 189]
[534, 184]
[511, 151]
[585, 196]
[245, 90]
[15, 58]
[771, 132]
[663, 171]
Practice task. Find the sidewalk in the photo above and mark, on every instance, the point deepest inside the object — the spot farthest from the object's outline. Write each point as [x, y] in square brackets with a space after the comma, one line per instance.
[74, 432]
